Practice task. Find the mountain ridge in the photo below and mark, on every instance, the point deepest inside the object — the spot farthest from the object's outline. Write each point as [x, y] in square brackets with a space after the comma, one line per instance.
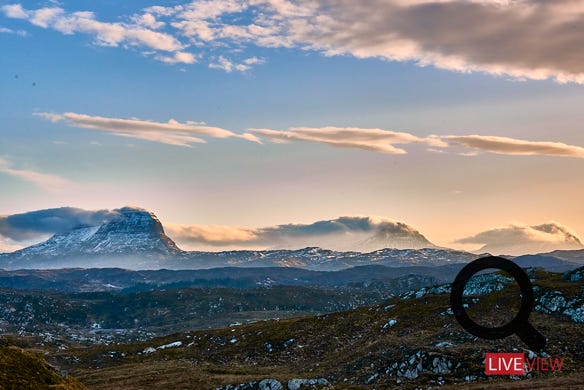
[134, 238]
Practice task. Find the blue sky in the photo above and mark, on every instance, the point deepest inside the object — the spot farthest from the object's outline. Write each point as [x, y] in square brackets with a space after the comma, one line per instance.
[293, 112]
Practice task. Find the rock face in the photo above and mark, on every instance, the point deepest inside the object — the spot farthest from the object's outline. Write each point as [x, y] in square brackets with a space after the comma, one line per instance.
[554, 302]
[422, 361]
[273, 384]
[574, 275]
[135, 230]
[132, 232]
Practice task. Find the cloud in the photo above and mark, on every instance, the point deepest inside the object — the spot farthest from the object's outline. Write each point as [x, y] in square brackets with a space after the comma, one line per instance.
[384, 141]
[171, 132]
[377, 140]
[185, 134]
[344, 233]
[139, 31]
[213, 235]
[530, 39]
[180, 57]
[521, 239]
[14, 11]
[48, 182]
[229, 66]
[524, 39]
[254, 61]
[185, 26]
[7, 245]
[6, 30]
[39, 224]
[504, 145]
[147, 20]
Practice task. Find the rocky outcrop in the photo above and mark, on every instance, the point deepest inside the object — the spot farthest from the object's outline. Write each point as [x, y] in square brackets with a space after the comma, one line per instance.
[574, 275]
[554, 302]
[273, 384]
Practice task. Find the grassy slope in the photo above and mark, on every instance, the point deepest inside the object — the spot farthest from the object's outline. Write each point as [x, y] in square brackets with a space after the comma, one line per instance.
[24, 370]
[349, 345]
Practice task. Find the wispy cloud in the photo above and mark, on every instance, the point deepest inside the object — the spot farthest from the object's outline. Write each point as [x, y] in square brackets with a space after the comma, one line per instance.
[6, 30]
[519, 239]
[171, 132]
[377, 140]
[48, 182]
[223, 236]
[229, 66]
[511, 146]
[179, 57]
[7, 245]
[384, 141]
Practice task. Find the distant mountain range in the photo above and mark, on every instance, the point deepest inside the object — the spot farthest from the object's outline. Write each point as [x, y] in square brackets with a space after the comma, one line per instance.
[347, 233]
[134, 238]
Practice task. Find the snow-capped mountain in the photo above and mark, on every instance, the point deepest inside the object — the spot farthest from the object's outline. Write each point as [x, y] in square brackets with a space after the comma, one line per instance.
[396, 235]
[319, 259]
[133, 238]
[133, 233]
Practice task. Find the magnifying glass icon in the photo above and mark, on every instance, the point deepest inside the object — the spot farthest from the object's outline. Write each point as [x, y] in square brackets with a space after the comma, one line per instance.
[519, 325]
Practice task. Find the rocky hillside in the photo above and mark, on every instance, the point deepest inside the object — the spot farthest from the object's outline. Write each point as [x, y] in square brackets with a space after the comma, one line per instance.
[117, 280]
[408, 341]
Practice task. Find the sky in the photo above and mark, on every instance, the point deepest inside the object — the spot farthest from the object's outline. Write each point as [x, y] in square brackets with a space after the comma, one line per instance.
[457, 118]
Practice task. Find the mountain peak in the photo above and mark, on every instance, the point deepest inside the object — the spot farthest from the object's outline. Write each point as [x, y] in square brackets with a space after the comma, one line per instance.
[361, 233]
[131, 209]
[135, 220]
[129, 232]
[392, 234]
[135, 230]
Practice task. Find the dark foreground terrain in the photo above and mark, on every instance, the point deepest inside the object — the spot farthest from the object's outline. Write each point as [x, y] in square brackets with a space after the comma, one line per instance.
[25, 370]
[407, 341]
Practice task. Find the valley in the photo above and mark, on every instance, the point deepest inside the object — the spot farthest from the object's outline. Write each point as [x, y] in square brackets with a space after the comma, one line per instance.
[406, 340]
